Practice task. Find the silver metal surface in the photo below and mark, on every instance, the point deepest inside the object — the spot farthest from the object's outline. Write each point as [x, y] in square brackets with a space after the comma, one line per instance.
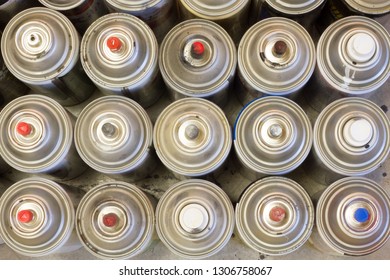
[276, 56]
[82, 13]
[192, 137]
[198, 59]
[232, 15]
[353, 57]
[119, 52]
[116, 220]
[274, 216]
[41, 48]
[272, 136]
[113, 135]
[194, 219]
[369, 7]
[37, 218]
[37, 137]
[352, 218]
[160, 15]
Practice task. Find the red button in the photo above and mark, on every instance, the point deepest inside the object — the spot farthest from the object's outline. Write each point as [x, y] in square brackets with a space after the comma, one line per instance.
[23, 128]
[197, 48]
[277, 214]
[114, 43]
[110, 220]
[25, 216]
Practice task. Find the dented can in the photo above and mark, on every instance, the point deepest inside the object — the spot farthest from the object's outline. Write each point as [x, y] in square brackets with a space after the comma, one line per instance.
[82, 13]
[272, 136]
[115, 220]
[353, 56]
[192, 138]
[194, 219]
[37, 218]
[41, 48]
[114, 136]
[274, 216]
[232, 15]
[160, 15]
[352, 218]
[276, 56]
[351, 138]
[37, 137]
[198, 59]
[119, 52]
[9, 8]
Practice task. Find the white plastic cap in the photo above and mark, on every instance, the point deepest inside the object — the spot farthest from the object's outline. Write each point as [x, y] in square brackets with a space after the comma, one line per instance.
[361, 47]
[358, 132]
[193, 218]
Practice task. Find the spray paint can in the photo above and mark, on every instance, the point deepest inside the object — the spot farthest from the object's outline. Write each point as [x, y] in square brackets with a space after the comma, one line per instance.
[116, 220]
[276, 56]
[351, 138]
[37, 137]
[8, 9]
[119, 53]
[160, 15]
[192, 138]
[37, 218]
[352, 218]
[3, 187]
[353, 57]
[272, 136]
[82, 13]
[274, 216]
[194, 219]
[113, 135]
[198, 59]
[232, 15]
[41, 48]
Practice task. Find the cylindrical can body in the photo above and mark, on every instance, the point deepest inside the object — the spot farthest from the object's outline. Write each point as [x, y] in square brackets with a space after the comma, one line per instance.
[37, 218]
[352, 218]
[272, 136]
[192, 138]
[37, 137]
[353, 56]
[276, 56]
[116, 220]
[194, 219]
[10, 8]
[3, 187]
[119, 52]
[274, 216]
[160, 15]
[198, 59]
[41, 48]
[82, 13]
[351, 138]
[305, 12]
[232, 15]
[114, 135]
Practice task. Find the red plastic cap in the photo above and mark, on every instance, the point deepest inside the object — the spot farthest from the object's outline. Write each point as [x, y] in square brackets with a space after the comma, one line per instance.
[197, 48]
[23, 128]
[25, 216]
[110, 220]
[114, 43]
[277, 214]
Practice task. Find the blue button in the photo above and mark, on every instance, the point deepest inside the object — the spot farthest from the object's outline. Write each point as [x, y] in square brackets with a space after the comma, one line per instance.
[362, 215]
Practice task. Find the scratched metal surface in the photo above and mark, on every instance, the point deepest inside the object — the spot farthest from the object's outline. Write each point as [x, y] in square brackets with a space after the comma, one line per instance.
[230, 181]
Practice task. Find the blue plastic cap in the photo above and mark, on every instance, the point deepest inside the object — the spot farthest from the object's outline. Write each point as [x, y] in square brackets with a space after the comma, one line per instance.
[362, 215]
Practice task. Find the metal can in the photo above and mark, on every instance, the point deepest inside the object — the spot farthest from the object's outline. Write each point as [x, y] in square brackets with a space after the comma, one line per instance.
[160, 15]
[3, 187]
[276, 56]
[232, 15]
[305, 12]
[114, 135]
[198, 59]
[37, 218]
[10, 8]
[82, 13]
[351, 138]
[352, 218]
[353, 57]
[192, 138]
[272, 136]
[37, 137]
[119, 53]
[194, 219]
[41, 48]
[115, 220]
[274, 216]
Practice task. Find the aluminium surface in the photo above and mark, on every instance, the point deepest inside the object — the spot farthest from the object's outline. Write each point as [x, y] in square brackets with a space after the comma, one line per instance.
[231, 182]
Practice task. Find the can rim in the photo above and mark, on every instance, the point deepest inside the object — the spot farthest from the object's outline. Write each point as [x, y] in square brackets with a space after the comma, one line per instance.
[61, 6]
[369, 8]
[217, 13]
[139, 6]
[290, 11]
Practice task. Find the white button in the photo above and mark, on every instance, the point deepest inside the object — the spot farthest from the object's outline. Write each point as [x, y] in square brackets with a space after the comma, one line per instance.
[358, 132]
[361, 47]
[193, 218]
